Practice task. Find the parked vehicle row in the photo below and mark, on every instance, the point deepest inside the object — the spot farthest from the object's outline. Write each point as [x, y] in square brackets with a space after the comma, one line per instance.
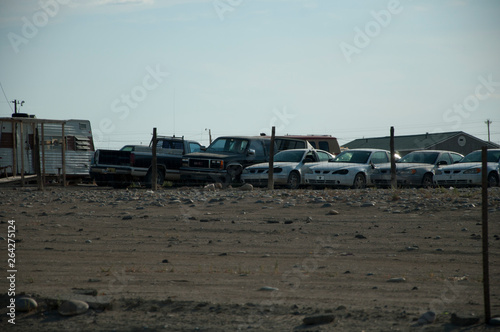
[358, 168]
[245, 159]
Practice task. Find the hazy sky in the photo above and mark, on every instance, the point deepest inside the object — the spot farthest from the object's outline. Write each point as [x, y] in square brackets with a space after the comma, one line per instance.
[349, 68]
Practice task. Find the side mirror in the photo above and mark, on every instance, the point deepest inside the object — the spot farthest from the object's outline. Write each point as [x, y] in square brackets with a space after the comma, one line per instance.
[442, 162]
[251, 152]
[203, 148]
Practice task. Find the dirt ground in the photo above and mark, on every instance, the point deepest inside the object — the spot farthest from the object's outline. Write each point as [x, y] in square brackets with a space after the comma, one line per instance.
[185, 259]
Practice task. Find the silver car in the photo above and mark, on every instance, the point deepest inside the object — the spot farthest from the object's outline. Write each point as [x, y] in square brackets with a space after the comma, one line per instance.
[415, 169]
[468, 172]
[288, 167]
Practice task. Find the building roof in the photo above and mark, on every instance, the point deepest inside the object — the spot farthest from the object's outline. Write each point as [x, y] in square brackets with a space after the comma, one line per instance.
[411, 142]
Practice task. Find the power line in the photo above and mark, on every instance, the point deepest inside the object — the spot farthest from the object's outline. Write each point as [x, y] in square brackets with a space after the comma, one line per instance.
[8, 102]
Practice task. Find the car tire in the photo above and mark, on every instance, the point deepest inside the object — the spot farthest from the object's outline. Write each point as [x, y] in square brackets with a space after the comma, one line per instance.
[493, 180]
[293, 181]
[359, 181]
[160, 177]
[427, 181]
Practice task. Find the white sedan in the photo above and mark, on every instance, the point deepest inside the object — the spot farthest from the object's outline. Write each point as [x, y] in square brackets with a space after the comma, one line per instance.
[287, 169]
[468, 171]
[351, 168]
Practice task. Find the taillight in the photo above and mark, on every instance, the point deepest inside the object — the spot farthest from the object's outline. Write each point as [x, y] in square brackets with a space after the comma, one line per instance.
[132, 159]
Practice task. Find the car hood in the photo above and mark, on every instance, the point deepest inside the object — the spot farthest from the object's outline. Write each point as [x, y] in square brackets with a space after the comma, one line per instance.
[336, 165]
[400, 166]
[459, 166]
[276, 164]
[209, 155]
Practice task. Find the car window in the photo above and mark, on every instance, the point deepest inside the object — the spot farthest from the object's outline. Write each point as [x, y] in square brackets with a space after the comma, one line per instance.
[259, 149]
[194, 147]
[380, 157]
[358, 157]
[289, 156]
[310, 157]
[313, 144]
[235, 145]
[456, 157]
[446, 158]
[323, 156]
[420, 157]
[323, 145]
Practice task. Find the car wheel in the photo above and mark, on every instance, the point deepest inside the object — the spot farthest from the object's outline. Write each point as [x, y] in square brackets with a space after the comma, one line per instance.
[427, 181]
[493, 180]
[293, 180]
[160, 178]
[359, 181]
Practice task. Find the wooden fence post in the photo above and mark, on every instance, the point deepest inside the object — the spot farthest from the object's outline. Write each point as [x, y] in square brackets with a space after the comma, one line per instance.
[394, 181]
[486, 266]
[270, 173]
[154, 174]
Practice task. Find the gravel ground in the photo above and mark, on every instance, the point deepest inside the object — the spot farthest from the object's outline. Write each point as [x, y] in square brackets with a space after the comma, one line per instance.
[188, 259]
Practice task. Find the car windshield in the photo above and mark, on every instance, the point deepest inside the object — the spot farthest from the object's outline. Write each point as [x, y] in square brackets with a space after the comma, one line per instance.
[475, 157]
[289, 156]
[420, 158]
[358, 157]
[226, 144]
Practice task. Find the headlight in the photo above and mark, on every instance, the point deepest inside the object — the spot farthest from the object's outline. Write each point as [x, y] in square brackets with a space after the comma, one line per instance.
[376, 171]
[217, 164]
[408, 172]
[341, 172]
[438, 172]
[245, 171]
[473, 171]
[308, 171]
[277, 170]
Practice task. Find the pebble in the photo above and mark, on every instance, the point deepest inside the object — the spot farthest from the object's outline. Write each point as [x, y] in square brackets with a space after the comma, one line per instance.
[495, 321]
[428, 318]
[246, 187]
[463, 321]
[333, 212]
[318, 319]
[25, 304]
[127, 218]
[268, 289]
[73, 307]
[400, 279]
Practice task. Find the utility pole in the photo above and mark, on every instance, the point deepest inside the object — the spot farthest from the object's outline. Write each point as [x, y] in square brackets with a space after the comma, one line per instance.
[488, 122]
[17, 102]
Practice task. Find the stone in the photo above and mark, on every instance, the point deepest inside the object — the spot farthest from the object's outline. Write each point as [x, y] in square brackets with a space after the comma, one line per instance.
[127, 218]
[400, 279]
[25, 304]
[73, 307]
[333, 212]
[495, 321]
[360, 236]
[428, 318]
[268, 289]
[246, 187]
[318, 319]
[327, 205]
[368, 204]
[209, 187]
[463, 321]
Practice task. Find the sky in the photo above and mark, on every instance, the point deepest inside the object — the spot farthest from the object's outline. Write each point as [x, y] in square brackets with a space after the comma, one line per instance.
[350, 69]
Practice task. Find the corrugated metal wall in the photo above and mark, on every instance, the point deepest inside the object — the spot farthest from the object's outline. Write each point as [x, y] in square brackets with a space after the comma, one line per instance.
[79, 147]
